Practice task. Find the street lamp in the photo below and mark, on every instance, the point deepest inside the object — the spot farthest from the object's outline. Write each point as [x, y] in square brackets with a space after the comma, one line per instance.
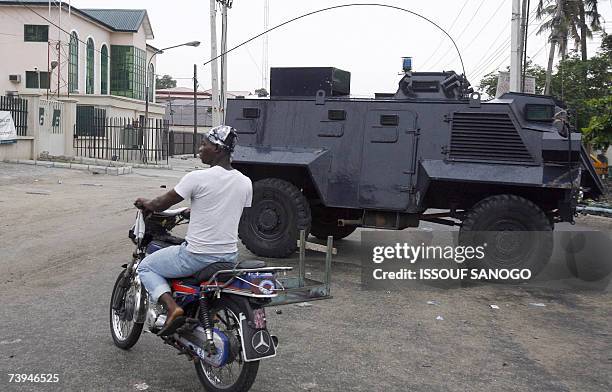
[191, 43]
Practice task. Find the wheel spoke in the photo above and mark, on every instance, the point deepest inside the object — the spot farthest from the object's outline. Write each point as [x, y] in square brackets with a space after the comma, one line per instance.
[224, 376]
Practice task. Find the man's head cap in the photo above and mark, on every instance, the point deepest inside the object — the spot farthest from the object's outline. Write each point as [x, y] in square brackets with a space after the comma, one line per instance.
[223, 136]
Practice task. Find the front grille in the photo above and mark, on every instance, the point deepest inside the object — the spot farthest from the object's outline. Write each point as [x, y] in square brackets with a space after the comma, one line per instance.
[486, 137]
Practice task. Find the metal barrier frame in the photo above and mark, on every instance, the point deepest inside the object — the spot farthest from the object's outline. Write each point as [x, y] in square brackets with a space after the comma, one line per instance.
[300, 288]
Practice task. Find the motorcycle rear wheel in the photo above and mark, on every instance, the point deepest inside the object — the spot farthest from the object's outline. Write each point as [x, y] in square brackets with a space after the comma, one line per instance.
[223, 379]
[125, 332]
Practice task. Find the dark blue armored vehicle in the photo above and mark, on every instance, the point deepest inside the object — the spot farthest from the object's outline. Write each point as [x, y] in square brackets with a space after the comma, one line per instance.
[327, 163]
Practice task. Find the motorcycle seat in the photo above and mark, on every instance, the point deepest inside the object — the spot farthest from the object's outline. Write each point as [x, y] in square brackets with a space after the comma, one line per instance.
[207, 272]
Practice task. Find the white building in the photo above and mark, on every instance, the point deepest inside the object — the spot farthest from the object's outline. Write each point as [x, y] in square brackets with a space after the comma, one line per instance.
[98, 57]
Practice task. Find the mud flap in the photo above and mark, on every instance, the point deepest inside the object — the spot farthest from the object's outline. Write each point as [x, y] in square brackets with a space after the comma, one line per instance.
[257, 343]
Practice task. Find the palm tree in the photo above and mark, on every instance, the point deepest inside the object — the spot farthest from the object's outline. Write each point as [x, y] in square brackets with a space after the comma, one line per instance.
[587, 13]
[575, 19]
[558, 31]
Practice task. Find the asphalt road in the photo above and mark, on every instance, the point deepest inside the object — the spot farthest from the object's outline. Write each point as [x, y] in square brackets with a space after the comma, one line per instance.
[61, 249]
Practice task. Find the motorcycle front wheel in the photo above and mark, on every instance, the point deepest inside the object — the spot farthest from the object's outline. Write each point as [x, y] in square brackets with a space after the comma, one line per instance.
[124, 329]
[237, 375]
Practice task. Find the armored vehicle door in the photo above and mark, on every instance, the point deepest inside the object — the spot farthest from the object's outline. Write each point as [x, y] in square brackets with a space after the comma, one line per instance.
[389, 158]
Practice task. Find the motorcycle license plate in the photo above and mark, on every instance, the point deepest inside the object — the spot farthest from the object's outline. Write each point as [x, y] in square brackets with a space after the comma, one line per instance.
[257, 343]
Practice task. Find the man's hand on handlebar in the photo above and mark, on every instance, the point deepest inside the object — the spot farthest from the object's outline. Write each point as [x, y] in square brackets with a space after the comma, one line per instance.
[143, 204]
[186, 214]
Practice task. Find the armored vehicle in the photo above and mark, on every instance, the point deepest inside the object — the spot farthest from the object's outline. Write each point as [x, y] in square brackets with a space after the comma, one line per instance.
[330, 163]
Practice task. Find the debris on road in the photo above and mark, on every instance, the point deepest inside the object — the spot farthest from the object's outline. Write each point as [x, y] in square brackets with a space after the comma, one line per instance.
[38, 192]
[59, 181]
[162, 186]
[88, 184]
[440, 318]
[278, 311]
[433, 303]
[309, 385]
[141, 387]
[10, 341]
[537, 304]
[303, 304]
[494, 306]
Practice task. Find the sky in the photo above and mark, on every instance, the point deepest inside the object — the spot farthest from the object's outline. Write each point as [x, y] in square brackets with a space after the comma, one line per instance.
[365, 40]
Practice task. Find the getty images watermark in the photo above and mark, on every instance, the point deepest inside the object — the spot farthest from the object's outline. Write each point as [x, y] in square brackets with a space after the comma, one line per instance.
[407, 253]
[446, 259]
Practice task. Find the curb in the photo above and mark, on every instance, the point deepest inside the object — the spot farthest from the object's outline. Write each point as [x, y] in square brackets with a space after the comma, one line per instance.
[104, 162]
[110, 170]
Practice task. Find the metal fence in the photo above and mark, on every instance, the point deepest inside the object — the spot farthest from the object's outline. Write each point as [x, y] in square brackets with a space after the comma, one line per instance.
[90, 120]
[181, 143]
[19, 110]
[123, 139]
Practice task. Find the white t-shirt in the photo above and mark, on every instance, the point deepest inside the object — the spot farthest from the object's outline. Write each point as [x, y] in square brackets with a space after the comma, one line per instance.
[217, 198]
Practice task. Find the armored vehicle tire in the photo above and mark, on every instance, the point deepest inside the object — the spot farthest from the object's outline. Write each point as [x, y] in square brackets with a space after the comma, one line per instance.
[517, 233]
[270, 228]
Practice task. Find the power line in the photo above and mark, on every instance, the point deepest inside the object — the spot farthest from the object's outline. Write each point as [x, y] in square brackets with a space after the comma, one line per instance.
[485, 25]
[338, 7]
[485, 57]
[60, 28]
[460, 35]
[499, 52]
[496, 55]
[442, 39]
[508, 55]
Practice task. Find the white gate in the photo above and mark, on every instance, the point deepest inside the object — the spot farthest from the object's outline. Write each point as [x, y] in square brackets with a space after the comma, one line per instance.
[51, 135]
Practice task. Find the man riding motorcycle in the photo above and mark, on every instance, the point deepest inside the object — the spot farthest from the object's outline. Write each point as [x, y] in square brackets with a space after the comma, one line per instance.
[218, 195]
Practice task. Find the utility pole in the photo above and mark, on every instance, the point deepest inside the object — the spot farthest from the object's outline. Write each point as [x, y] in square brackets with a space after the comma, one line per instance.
[225, 5]
[515, 45]
[526, 7]
[213, 65]
[195, 110]
[223, 97]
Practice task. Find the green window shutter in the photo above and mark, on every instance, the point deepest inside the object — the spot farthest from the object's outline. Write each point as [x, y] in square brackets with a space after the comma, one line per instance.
[90, 76]
[104, 70]
[73, 63]
[35, 33]
[32, 79]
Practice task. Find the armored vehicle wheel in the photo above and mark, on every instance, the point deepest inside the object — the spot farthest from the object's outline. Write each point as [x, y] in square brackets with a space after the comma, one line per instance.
[517, 233]
[278, 212]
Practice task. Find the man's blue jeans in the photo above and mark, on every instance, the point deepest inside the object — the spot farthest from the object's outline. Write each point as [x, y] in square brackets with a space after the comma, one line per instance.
[175, 262]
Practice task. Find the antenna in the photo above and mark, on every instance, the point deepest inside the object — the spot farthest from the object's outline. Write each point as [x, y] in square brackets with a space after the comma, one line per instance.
[265, 68]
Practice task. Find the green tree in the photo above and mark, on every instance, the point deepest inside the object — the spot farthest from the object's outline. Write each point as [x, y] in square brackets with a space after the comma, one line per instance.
[589, 20]
[599, 130]
[576, 82]
[565, 20]
[488, 84]
[261, 92]
[165, 81]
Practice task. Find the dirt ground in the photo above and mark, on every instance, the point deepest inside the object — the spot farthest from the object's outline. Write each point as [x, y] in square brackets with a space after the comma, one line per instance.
[64, 235]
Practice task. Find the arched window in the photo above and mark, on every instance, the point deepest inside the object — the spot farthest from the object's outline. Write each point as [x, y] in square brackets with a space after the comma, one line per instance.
[104, 70]
[73, 65]
[151, 82]
[89, 81]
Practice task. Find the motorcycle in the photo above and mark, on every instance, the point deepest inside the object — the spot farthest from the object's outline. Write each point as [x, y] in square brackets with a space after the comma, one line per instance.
[225, 331]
